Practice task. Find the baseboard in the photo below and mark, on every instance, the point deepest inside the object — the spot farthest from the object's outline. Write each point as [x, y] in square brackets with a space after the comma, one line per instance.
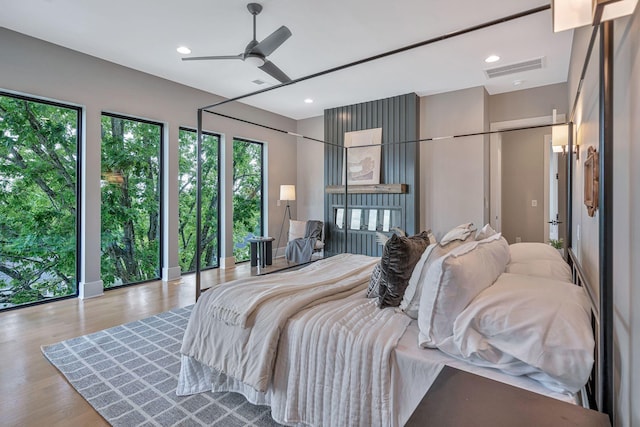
[90, 289]
[279, 252]
[170, 273]
[228, 263]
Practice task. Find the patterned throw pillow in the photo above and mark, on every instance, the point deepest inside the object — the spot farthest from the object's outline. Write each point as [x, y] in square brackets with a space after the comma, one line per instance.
[374, 283]
[399, 257]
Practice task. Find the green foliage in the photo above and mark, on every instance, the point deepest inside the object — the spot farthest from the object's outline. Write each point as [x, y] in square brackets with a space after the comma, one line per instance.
[247, 195]
[187, 200]
[556, 243]
[38, 201]
[38, 204]
[130, 201]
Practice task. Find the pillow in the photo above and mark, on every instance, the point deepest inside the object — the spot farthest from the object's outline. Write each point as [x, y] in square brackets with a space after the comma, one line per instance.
[296, 229]
[544, 323]
[411, 299]
[461, 232]
[549, 268]
[522, 252]
[485, 232]
[374, 282]
[453, 281]
[399, 257]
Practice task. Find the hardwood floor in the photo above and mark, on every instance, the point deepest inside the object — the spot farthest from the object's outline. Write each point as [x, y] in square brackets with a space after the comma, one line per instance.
[32, 391]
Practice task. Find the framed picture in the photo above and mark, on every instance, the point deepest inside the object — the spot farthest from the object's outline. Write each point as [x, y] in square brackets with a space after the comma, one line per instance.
[363, 156]
[591, 181]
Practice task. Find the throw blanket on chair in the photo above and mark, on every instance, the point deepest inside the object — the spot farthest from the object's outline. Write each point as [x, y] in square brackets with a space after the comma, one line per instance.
[300, 250]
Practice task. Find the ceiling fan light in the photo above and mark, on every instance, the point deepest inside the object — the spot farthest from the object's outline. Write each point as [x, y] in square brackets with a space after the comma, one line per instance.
[254, 60]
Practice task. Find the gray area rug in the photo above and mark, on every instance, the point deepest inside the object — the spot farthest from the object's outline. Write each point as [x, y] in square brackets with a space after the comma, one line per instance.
[129, 374]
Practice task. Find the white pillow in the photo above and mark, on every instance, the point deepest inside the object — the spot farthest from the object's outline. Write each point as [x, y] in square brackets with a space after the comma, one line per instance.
[542, 322]
[549, 268]
[453, 281]
[522, 252]
[485, 232]
[411, 298]
[409, 293]
[296, 229]
[461, 232]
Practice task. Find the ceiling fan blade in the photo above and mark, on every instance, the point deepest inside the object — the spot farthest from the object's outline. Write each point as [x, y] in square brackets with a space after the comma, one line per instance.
[275, 72]
[273, 41]
[206, 58]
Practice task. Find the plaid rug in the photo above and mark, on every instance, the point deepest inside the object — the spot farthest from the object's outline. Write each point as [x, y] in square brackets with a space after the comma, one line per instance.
[129, 374]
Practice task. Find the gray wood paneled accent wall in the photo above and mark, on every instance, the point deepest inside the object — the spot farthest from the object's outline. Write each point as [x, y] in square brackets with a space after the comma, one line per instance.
[399, 118]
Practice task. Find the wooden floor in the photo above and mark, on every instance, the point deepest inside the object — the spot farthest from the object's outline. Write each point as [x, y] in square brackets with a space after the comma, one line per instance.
[32, 391]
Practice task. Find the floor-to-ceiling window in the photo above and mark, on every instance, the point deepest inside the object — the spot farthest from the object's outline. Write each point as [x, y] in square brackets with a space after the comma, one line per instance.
[130, 211]
[247, 195]
[38, 200]
[187, 200]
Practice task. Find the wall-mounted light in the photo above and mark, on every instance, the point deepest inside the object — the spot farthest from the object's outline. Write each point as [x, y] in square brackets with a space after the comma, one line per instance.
[559, 135]
[569, 14]
[559, 138]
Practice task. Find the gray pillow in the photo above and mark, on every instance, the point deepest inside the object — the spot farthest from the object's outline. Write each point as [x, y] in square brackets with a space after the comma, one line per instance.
[399, 257]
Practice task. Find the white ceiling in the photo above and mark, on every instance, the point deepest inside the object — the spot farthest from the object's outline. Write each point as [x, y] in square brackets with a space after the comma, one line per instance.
[144, 35]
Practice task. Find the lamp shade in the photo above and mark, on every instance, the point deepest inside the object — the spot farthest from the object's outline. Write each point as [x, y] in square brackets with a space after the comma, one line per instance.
[559, 138]
[287, 192]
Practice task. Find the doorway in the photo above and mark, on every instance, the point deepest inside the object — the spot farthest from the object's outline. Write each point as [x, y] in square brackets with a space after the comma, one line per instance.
[521, 173]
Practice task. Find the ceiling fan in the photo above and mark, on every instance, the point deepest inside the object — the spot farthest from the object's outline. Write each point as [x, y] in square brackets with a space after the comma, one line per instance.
[256, 52]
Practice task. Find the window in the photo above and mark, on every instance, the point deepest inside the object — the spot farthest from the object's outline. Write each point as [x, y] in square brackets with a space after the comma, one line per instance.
[187, 200]
[247, 195]
[130, 211]
[38, 200]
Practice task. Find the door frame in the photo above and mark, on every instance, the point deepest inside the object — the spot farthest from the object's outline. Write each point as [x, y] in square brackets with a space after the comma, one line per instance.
[495, 161]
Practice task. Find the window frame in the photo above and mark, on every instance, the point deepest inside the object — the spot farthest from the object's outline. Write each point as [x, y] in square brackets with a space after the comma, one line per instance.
[218, 189]
[161, 172]
[262, 179]
[80, 140]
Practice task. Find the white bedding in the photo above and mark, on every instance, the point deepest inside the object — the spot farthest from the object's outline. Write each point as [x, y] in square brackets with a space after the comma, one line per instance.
[345, 362]
[323, 373]
[245, 326]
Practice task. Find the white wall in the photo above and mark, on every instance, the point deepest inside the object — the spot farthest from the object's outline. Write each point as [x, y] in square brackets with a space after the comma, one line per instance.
[34, 67]
[626, 201]
[310, 203]
[452, 171]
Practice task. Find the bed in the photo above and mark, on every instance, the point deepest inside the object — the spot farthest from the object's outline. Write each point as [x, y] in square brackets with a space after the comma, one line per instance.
[335, 343]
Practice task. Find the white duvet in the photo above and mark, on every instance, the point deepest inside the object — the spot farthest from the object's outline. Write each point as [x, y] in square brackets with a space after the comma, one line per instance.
[333, 364]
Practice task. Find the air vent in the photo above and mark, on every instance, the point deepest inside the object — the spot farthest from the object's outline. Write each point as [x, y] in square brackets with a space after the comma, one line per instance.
[505, 70]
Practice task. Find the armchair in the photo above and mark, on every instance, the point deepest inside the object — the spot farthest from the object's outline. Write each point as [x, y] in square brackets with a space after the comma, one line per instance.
[305, 238]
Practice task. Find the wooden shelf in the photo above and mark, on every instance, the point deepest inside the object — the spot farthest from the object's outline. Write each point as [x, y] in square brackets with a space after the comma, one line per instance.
[368, 189]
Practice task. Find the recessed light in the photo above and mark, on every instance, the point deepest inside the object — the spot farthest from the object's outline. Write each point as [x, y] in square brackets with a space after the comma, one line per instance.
[184, 50]
[492, 58]
[308, 101]
[518, 82]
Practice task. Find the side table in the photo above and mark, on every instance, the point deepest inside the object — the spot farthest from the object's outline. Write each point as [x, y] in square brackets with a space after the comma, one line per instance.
[261, 249]
[459, 398]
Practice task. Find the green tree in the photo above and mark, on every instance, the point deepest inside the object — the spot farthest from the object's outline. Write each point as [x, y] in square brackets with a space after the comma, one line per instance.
[38, 203]
[247, 195]
[187, 200]
[130, 201]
